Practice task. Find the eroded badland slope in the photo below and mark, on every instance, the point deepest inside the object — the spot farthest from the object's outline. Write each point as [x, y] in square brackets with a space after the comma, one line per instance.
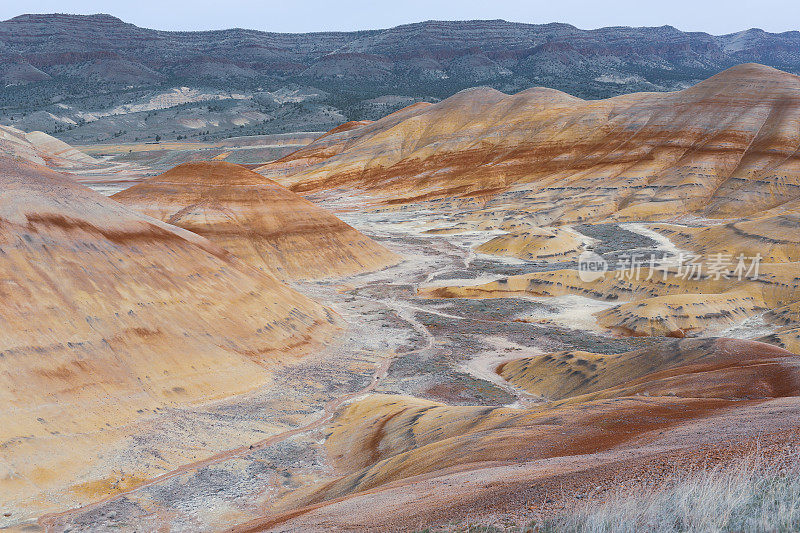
[257, 220]
[110, 318]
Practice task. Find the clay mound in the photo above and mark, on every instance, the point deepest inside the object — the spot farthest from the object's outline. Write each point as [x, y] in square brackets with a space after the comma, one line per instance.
[726, 147]
[40, 148]
[607, 401]
[774, 237]
[58, 152]
[661, 305]
[333, 142]
[535, 244]
[108, 317]
[257, 220]
[679, 315]
[696, 368]
[787, 337]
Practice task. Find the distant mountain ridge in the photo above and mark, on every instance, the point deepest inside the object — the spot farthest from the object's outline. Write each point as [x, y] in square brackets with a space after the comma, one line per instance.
[412, 51]
[71, 59]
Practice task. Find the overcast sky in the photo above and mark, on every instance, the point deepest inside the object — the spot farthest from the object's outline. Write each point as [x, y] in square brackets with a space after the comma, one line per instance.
[716, 17]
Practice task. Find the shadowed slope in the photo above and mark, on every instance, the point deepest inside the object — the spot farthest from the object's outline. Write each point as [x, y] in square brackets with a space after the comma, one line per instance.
[257, 220]
[108, 317]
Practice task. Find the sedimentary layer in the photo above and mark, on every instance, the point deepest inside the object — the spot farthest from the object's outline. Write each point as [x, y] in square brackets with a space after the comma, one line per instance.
[257, 220]
[721, 158]
[725, 147]
[108, 318]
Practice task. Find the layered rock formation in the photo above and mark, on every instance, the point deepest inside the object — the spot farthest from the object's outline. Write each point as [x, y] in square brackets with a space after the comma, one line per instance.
[428, 57]
[72, 56]
[257, 220]
[108, 318]
[725, 147]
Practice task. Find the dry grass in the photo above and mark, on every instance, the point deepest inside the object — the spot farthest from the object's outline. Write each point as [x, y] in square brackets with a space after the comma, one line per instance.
[753, 494]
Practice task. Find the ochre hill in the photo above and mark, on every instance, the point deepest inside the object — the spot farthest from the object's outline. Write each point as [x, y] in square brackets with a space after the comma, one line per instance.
[257, 220]
[332, 143]
[109, 317]
[774, 236]
[697, 368]
[541, 244]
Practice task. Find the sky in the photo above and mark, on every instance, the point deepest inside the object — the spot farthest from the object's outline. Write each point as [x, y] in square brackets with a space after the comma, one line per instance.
[716, 17]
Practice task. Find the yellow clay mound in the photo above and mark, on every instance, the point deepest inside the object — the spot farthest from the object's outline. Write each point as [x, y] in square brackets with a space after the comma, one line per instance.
[775, 238]
[556, 244]
[701, 368]
[678, 315]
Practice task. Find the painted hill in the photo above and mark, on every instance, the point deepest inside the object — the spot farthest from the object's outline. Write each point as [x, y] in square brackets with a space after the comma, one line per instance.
[451, 407]
[729, 369]
[257, 220]
[109, 318]
[725, 147]
[38, 147]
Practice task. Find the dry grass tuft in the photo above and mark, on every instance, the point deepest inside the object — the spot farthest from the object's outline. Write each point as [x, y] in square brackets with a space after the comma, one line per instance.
[755, 494]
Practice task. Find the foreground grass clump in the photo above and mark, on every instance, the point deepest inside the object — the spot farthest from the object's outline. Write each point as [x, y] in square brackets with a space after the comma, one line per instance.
[753, 495]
